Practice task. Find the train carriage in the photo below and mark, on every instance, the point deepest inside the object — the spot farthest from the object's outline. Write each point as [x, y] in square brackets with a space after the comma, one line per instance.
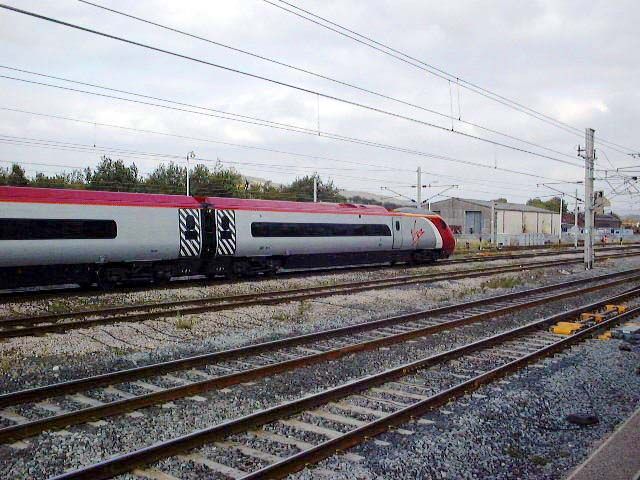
[277, 234]
[52, 236]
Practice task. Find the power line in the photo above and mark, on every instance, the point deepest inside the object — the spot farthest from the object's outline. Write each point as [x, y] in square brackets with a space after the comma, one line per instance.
[281, 83]
[67, 146]
[267, 123]
[129, 154]
[322, 76]
[438, 72]
[200, 139]
[159, 189]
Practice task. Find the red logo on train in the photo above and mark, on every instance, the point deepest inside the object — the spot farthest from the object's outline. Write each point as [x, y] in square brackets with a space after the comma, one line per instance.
[416, 233]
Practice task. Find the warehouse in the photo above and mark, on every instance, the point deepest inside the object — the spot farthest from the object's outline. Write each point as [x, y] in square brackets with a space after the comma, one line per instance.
[473, 217]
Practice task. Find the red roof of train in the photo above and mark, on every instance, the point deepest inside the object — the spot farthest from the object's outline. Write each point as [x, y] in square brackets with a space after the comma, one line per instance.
[224, 203]
[93, 197]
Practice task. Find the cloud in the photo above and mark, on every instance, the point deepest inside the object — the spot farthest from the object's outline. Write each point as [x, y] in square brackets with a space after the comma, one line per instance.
[551, 55]
[576, 111]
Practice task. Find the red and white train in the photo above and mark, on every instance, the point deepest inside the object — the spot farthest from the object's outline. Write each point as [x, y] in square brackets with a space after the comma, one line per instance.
[50, 236]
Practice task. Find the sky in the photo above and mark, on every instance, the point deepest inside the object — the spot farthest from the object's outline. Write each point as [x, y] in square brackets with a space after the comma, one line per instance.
[572, 61]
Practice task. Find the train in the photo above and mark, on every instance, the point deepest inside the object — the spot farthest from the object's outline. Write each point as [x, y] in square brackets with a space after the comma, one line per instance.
[63, 236]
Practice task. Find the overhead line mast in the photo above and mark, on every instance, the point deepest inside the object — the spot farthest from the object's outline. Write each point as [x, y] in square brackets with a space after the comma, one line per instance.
[589, 159]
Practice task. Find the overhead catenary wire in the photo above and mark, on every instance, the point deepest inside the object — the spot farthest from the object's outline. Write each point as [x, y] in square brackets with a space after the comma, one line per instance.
[280, 83]
[252, 147]
[267, 123]
[324, 77]
[150, 188]
[135, 154]
[198, 139]
[438, 72]
[155, 156]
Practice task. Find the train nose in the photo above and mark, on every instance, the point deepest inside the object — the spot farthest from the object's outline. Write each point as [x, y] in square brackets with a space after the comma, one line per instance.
[448, 242]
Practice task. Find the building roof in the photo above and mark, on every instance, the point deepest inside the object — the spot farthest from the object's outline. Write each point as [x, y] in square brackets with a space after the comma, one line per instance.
[519, 207]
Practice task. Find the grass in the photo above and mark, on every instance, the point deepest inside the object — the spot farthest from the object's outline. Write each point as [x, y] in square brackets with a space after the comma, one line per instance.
[183, 323]
[514, 452]
[5, 364]
[504, 282]
[539, 460]
[58, 306]
[299, 316]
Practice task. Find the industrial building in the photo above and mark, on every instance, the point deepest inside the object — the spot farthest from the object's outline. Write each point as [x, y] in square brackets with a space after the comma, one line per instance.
[512, 221]
[606, 220]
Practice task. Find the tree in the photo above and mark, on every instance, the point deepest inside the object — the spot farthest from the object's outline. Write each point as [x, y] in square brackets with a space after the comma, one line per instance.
[221, 181]
[167, 179]
[371, 201]
[301, 189]
[113, 175]
[552, 204]
[14, 176]
[73, 179]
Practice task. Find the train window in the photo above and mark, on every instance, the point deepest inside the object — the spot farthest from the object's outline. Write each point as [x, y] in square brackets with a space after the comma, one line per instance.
[56, 229]
[191, 222]
[224, 223]
[276, 229]
[398, 225]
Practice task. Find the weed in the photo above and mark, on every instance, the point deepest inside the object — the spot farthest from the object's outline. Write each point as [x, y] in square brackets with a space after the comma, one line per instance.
[282, 317]
[514, 452]
[183, 323]
[466, 292]
[539, 460]
[5, 364]
[58, 306]
[298, 317]
[504, 282]
[303, 309]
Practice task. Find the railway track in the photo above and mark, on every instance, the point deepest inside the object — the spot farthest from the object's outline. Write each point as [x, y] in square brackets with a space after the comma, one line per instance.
[285, 438]
[61, 322]
[29, 294]
[114, 393]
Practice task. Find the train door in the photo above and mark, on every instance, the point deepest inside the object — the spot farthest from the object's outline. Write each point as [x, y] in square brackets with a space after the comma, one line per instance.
[397, 233]
[190, 232]
[226, 232]
[208, 233]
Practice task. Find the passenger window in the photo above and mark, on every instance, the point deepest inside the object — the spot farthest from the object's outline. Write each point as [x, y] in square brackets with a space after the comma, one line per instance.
[397, 225]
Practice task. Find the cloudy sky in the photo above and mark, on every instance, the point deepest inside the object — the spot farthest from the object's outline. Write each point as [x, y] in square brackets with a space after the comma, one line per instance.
[574, 61]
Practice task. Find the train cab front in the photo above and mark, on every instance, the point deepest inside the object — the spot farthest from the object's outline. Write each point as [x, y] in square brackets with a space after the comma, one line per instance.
[448, 240]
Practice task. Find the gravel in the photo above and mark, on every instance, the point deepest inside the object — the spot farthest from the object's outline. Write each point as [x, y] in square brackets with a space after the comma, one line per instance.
[52, 453]
[515, 429]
